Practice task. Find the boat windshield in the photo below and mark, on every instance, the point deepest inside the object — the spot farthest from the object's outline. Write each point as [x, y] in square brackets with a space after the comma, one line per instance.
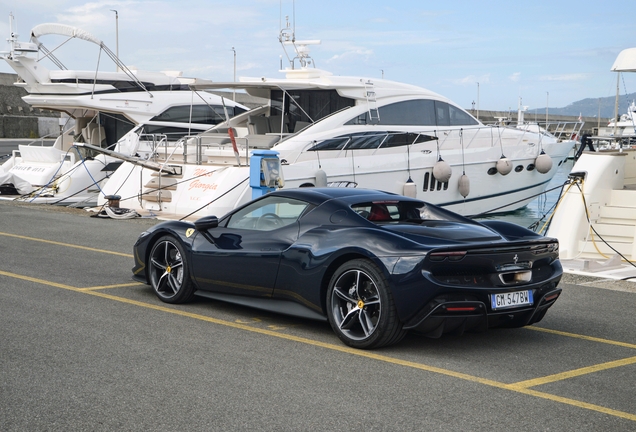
[308, 106]
[417, 112]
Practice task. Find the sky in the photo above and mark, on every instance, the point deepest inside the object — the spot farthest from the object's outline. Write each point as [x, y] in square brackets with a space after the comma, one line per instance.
[488, 53]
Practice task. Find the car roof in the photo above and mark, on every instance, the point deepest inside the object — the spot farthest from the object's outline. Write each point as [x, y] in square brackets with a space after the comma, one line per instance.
[345, 194]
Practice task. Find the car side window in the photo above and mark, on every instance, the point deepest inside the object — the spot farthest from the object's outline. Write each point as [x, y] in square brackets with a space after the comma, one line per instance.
[268, 214]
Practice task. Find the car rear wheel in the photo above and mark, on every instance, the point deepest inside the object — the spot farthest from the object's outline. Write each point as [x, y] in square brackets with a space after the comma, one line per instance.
[169, 276]
[360, 307]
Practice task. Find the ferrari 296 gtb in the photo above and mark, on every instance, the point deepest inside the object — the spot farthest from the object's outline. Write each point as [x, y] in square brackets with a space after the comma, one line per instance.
[374, 264]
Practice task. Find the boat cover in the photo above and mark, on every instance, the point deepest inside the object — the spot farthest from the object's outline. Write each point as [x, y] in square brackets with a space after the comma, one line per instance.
[62, 30]
[22, 186]
[626, 61]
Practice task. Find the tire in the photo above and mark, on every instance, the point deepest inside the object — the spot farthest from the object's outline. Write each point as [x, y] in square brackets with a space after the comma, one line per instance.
[168, 271]
[360, 307]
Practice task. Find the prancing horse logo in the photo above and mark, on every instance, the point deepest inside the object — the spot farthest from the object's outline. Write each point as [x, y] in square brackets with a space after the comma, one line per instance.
[516, 258]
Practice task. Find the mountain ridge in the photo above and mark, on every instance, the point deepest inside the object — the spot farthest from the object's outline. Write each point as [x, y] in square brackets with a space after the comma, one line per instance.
[591, 107]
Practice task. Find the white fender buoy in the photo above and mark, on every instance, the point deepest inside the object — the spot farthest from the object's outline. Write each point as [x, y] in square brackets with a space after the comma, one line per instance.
[321, 178]
[410, 189]
[442, 171]
[464, 185]
[543, 163]
[504, 166]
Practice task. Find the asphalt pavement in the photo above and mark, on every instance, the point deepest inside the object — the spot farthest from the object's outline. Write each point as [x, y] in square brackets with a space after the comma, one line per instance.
[84, 347]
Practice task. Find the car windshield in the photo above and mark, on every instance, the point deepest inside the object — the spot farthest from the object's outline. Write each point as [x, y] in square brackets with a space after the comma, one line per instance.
[401, 212]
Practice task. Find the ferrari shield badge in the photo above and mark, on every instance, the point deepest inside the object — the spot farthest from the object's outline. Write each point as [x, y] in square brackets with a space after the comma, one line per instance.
[189, 232]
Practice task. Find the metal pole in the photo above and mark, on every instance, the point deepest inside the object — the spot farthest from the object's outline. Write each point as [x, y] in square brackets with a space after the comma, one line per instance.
[616, 116]
[477, 101]
[116, 35]
[547, 104]
[234, 90]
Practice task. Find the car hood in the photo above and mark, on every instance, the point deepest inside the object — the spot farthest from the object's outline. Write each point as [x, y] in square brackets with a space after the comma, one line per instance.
[445, 230]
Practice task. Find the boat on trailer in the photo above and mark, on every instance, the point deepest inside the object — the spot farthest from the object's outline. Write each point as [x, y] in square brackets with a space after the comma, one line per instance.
[101, 108]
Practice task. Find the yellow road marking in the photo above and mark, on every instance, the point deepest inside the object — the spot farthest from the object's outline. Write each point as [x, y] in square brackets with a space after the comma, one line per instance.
[251, 320]
[515, 387]
[111, 286]
[573, 373]
[66, 245]
[577, 403]
[40, 281]
[578, 336]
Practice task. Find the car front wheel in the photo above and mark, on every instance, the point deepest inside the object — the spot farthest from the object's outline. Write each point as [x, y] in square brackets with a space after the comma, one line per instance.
[168, 271]
[360, 307]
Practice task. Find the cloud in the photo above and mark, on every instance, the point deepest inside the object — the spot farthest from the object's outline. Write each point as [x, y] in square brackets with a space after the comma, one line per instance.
[564, 77]
[96, 15]
[515, 77]
[351, 56]
[472, 80]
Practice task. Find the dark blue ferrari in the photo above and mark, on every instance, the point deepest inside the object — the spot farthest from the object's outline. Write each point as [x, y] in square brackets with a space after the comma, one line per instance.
[374, 264]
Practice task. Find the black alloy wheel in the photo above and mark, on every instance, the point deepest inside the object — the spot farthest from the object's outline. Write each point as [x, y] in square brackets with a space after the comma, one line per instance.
[168, 271]
[360, 307]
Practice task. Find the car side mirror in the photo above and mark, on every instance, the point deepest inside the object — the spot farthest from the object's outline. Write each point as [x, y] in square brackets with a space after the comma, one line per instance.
[206, 223]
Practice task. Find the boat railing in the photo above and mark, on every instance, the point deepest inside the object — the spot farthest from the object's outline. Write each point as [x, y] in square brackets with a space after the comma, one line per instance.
[564, 130]
[40, 141]
[155, 142]
[561, 130]
[473, 136]
[189, 149]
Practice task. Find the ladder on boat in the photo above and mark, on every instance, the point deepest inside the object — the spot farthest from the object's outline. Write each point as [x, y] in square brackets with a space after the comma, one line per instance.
[372, 103]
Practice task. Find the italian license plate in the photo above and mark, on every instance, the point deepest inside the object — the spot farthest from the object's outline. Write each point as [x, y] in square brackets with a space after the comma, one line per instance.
[511, 299]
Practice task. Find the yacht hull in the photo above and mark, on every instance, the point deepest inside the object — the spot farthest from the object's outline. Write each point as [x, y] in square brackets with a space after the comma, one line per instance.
[209, 189]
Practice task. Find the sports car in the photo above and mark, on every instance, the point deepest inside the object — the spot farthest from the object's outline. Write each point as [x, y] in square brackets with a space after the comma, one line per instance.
[373, 264]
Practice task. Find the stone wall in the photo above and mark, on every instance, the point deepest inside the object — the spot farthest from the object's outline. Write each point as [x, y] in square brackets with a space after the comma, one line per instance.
[19, 119]
[18, 127]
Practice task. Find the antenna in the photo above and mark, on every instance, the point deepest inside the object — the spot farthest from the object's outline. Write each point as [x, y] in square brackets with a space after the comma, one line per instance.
[13, 37]
[13, 40]
[11, 20]
[286, 37]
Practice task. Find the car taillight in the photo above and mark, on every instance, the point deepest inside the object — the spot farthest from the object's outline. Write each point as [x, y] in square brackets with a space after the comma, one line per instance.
[551, 297]
[461, 309]
[451, 255]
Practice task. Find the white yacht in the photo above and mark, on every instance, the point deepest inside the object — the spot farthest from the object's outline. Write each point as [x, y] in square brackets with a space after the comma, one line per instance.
[347, 131]
[626, 122]
[595, 220]
[618, 133]
[102, 107]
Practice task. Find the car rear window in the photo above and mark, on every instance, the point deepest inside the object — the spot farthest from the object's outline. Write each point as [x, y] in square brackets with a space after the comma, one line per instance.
[400, 212]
